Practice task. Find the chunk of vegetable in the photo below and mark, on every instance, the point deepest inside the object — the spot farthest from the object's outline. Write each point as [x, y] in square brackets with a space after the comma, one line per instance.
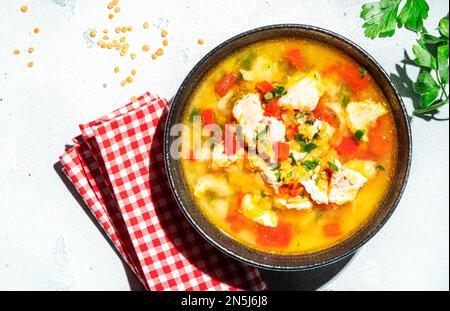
[332, 230]
[278, 237]
[223, 86]
[264, 87]
[208, 117]
[273, 110]
[349, 74]
[295, 58]
[283, 151]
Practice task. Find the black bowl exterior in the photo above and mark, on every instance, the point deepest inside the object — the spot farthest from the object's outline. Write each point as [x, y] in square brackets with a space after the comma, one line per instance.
[268, 260]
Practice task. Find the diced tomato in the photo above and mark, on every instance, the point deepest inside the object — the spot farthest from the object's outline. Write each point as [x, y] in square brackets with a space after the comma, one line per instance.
[290, 132]
[295, 189]
[379, 138]
[282, 150]
[264, 87]
[348, 146]
[208, 117]
[350, 76]
[224, 85]
[295, 58]
[279, 236]
[327, 114]
[332, 230]
[236, 220]
[273, 109]
[329, 172]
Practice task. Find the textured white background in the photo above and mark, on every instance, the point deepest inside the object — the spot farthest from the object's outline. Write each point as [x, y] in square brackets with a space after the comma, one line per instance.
[47, 242]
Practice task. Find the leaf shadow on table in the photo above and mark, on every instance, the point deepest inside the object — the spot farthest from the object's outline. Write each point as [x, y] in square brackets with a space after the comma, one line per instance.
[134, 283]
[405, 87]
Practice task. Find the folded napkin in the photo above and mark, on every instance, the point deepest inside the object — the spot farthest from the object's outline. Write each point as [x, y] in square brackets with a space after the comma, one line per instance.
[117, 166]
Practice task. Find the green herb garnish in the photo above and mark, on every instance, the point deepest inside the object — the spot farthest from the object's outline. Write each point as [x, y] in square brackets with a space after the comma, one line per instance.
[380, 168]
[345, 101]
[359, 134]
[279, 90]
[309, 147]
[431, 52]
[293, 161]
[278, 176]
[263, 194]
[268, 96]
[195, 112]
[333, 166]
[362, 72]
[309, 165]
[299, 138]
[309, 122]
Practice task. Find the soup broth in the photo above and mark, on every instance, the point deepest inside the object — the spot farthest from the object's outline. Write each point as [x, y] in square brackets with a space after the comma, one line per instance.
[311, 151]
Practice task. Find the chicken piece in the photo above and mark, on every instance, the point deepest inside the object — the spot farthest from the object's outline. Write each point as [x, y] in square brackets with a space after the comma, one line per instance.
[317, 188]
[308, 131]
[249, 113]
[274, 129]
[217, 184]
[366, 168]
[219, 159]
[345, 184]
[259, 209]
[360, 115]
[304, 95]
[272, 177]
[298, 156]
[298, 202]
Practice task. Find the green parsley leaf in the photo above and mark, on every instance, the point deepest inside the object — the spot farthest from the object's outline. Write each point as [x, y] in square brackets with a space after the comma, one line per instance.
[333, 166]
[430, 39]
[279, 90]
[427, 87]
[309, 147]
[442, 59]
[293, 161]
[362, 72]
[443, 27]
[413, 14]
[345, 101]
[278, 176]
[423, 57]
[309, 165]
[195, 112]
[309, 122]
[380, 18]
[359, 134]
[299, 138]
[263, 194]
[380, 168]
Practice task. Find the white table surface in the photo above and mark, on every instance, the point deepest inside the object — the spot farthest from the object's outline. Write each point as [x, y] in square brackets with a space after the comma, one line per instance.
[47, 242]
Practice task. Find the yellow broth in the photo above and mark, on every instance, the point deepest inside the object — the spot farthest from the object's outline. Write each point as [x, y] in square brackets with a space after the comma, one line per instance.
[306, 227]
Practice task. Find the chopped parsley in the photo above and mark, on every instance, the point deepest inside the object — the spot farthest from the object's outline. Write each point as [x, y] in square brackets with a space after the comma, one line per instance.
[309, 165]
[362, 72]
[276, 167]
[278, 176]
[299, 138]
[359, 134]
[345, 101]
[380, 168]
[195, 112]
[279, 90]
[309, 122]
[309, 147]
[333, 166]
[263, 194]
[293, 161]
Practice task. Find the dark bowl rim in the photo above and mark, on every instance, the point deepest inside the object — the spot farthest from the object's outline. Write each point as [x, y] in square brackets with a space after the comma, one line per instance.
[211, 240]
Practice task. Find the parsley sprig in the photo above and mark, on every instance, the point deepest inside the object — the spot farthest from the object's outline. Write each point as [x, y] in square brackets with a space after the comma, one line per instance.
[383, 17]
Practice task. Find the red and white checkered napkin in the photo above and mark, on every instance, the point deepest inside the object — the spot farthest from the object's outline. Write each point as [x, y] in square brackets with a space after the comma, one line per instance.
[117, 167]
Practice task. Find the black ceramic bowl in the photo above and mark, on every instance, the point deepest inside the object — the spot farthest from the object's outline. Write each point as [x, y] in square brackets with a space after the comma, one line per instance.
[267, 260]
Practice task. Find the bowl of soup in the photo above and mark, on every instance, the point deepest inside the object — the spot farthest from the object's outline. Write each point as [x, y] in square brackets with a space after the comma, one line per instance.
[287, 147]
